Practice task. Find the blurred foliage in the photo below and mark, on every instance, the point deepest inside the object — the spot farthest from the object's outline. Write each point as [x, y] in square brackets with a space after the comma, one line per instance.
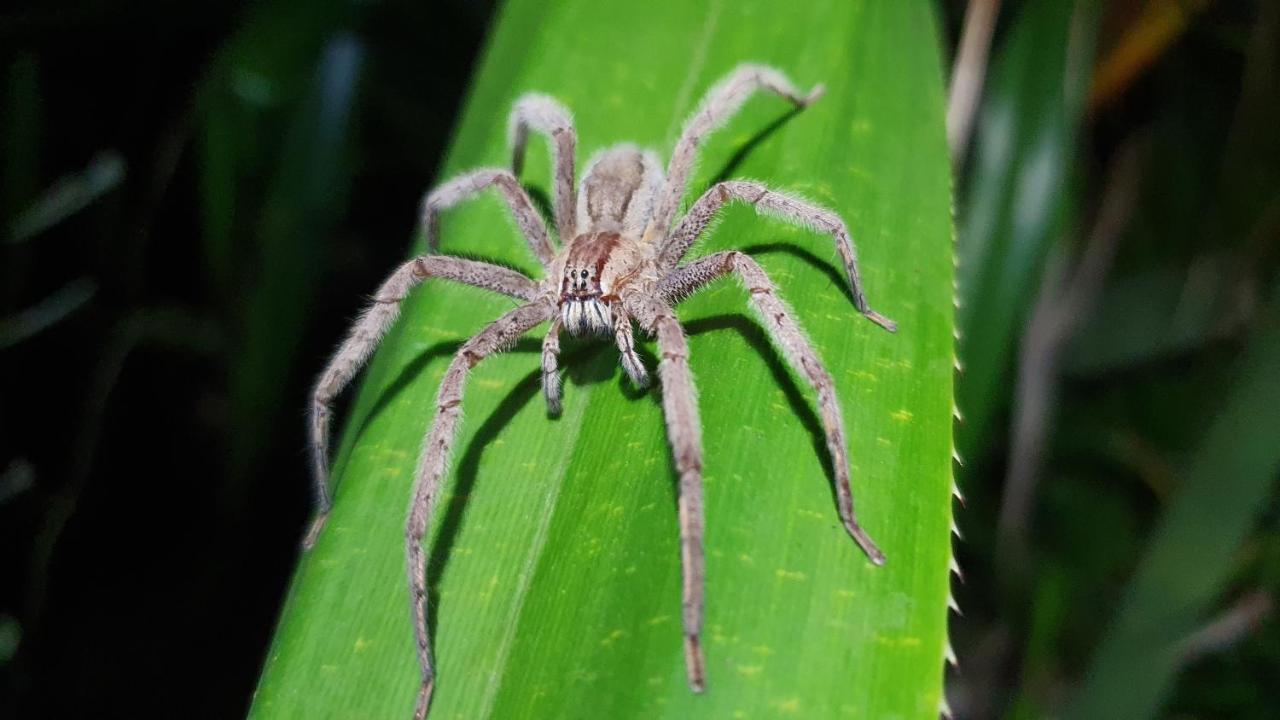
[1016, 196]
[1154, 514]
[1221, 495]
[179, 185]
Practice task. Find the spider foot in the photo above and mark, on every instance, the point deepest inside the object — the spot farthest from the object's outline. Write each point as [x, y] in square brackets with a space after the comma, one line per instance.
[693, 663]
[865, 542]
[814, 95]
[424, 699]
[313, 534]
[635, 371]
[640, 381]
[882, 321]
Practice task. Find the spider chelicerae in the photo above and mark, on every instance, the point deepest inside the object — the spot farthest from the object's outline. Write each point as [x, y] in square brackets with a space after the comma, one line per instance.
[620, 266]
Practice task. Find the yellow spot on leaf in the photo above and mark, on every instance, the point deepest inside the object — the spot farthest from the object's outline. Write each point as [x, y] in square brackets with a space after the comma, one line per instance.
[897, 641]
[790, 706]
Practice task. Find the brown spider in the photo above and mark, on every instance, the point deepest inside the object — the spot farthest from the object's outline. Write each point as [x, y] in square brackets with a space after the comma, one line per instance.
[620, 265]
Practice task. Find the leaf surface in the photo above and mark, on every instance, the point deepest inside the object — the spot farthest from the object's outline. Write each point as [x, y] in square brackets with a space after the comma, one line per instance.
[556, 582]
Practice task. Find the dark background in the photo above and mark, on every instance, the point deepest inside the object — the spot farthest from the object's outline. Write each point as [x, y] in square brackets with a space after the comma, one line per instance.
[146, 558]
[257, 171]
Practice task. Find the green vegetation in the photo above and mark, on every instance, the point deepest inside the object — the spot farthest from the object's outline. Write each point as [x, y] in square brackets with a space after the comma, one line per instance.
[196, 199]
[556, 562]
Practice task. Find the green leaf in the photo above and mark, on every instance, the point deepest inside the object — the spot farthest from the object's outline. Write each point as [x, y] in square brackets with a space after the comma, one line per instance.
[1016, 197]
[556, 561]
[303, 204]
[302, 93]
[276, 131]
[263, 85]
[1159, 312]
[1223, 492]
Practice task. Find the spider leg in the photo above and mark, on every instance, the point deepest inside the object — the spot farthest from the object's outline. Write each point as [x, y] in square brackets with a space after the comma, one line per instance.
[468, 185]
[780, 205]
[550, 371]
[798, 349]
[543, 114]
[684, 431]
[497, 336]
[368, 331]
[627, 347]
[718, 105]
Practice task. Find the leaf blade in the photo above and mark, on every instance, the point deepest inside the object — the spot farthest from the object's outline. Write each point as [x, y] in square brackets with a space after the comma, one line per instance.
[559, 575]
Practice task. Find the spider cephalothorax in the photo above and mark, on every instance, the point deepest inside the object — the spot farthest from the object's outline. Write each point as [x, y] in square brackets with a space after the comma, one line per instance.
[621, 266]
[586, 297]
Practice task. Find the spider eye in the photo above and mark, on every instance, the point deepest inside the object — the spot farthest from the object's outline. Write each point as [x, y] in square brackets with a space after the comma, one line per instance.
[584, 274]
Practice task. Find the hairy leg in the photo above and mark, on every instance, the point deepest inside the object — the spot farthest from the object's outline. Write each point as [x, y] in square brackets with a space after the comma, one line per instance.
[780, 205]
[368, 331]
[437, 449]
[466, 186]
[550, 370]
[719, 104]
[627, 347]
[543, 114]
[798, 349]
[684, 431]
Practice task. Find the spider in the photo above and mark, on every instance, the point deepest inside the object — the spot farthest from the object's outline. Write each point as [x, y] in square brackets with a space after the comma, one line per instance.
[620, 267]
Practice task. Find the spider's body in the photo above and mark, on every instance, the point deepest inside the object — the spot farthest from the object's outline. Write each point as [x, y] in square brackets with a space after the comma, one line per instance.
[619, 267]
[616, 202]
